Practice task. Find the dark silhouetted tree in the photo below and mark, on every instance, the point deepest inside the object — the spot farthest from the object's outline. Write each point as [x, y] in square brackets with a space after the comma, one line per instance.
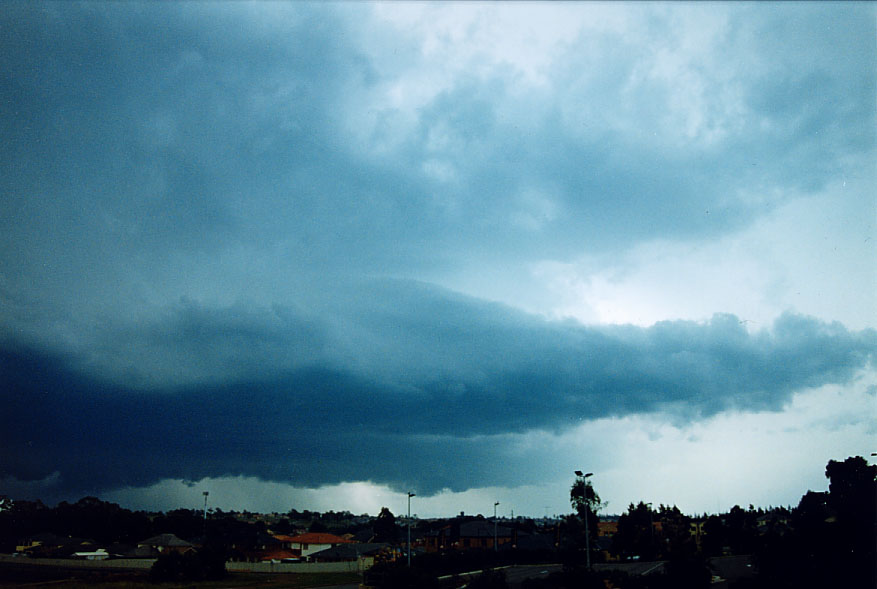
[100, 520]
[832, 538]
[636, 532]
[586, 503]
[742, 529]
[23, 519]
[205, 564]
[385, 527]
[676, 539]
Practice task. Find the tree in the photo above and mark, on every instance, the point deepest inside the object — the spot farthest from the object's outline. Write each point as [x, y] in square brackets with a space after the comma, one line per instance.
[636, 532]
[831, 542]
[99, 520]
[185, 523]
[852, 496]
[586, 502]
[714, 536]
[852, 500]
[583, 497]
[21, 520]
[206, 564]
[386, 529]
[742, 529]
[676, 540]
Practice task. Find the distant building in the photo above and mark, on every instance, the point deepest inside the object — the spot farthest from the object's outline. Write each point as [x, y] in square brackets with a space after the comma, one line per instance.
[468, 535]
[774, 521]
[48, 545]
[285, 540]
[363, 554]
[695, 528]
[164, 543]
[307, 544]
[99, 554]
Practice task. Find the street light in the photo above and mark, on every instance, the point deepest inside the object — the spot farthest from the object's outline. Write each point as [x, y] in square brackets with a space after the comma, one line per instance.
[494, 526]
[205, 493]
[410, 495]
[583, 478]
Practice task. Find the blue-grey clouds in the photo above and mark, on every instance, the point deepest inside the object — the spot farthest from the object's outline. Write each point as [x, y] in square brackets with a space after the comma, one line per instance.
[202, 204]
[422, 375]
[139, 136]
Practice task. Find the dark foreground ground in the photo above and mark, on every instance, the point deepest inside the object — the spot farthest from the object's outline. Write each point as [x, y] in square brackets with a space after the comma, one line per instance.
[21, 575]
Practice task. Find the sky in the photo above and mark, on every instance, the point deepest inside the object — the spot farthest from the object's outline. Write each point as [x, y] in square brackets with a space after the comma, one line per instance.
[316, 256]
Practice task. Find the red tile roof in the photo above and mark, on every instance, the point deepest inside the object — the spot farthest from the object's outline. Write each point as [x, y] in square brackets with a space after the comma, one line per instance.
[279, 554]
[284, 538]
[318, 538]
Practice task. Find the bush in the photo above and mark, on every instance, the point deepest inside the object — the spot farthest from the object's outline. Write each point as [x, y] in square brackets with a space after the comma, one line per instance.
[206, 564]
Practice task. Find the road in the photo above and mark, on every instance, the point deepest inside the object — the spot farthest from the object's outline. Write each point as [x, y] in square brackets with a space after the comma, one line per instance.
[516, 575]
[730, 568]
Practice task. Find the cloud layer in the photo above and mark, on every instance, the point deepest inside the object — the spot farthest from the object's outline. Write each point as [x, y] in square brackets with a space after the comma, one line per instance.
[425, 375]
[271, 240]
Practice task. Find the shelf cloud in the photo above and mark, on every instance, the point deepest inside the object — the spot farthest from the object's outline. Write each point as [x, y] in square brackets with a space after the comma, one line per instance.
[315, 244]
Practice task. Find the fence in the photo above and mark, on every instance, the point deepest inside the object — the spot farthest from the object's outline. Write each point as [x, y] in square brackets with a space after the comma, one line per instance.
[118, 563]
[355, 566]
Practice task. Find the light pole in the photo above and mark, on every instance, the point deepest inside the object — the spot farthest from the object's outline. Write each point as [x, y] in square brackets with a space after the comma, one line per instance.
[587, 502]
[495, 548]
[205, 512]
[410, 495]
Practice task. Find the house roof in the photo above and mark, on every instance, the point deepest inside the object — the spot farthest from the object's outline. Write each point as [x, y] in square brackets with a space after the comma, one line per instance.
[284, 538]
[129, 551]
[169, 540]
[318, 538]
[279, 554]
[349, 551]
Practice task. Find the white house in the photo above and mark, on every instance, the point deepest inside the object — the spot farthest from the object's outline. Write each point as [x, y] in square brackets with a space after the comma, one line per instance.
[315, 542]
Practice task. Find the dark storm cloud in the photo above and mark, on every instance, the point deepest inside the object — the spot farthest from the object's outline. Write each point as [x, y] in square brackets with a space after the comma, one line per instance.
[141, 137]
[436, 374]
[195, 200]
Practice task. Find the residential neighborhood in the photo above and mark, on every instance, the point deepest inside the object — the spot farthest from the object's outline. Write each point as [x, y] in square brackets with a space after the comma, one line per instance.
[827, 531]
[828, 534]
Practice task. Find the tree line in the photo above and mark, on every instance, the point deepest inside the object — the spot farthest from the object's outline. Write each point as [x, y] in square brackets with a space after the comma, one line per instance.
[109, 523]
[828, 540]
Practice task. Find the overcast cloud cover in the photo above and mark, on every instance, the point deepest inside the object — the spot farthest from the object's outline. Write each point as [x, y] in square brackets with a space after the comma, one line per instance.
[316, 255]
